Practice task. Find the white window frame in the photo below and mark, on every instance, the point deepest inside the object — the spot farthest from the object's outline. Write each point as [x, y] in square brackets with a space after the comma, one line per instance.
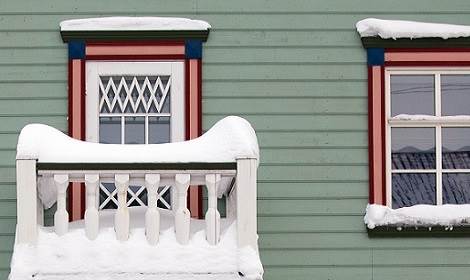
[438, 123]
[175, 69]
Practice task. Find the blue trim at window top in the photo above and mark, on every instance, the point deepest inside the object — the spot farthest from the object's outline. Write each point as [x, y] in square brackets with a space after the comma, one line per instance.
[375, 56]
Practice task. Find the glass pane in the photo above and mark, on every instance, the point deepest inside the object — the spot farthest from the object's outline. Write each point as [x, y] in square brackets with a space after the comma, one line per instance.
[110, 130]
[455, 94]
[413, 188]
[159, 130]
[134, 130]
[412, 94]
[413, 148]
[456, 148]
[456, 188]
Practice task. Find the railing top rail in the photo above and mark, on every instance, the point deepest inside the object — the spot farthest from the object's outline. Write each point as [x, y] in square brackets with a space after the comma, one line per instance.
[137, 166]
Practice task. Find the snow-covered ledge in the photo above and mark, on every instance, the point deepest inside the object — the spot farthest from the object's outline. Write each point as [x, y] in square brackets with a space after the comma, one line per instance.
[223, 160]
[417, 216]
[395, 29]
[134, 28]
[133, 24]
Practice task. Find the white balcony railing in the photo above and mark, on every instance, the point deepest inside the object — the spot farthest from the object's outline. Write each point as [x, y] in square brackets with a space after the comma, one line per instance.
[62, 160]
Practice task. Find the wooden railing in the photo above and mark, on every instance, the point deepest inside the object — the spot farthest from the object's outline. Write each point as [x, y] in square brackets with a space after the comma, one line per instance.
[241, 200]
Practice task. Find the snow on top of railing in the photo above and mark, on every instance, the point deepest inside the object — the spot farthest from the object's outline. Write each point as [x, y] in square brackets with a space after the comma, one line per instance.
[133, 24]
[230, 138]
[394, 29]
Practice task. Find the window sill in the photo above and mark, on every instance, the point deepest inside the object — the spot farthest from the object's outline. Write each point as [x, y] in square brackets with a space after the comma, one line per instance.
[419, 231]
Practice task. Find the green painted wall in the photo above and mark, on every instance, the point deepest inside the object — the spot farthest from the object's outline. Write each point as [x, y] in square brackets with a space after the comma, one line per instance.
[296, 70]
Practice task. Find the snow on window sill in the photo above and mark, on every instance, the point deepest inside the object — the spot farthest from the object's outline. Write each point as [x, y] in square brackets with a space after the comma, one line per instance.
[417, 218]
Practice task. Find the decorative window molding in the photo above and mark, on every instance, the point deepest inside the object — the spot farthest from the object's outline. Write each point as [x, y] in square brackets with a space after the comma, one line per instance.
[158, 39]
[384, 56]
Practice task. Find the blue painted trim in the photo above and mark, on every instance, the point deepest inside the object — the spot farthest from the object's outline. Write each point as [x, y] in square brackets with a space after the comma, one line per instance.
[76, 49]
[375, 56]
[193, 49]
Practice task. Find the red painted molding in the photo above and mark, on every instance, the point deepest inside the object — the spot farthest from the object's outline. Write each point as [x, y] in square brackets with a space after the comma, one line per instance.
[142, 50]
[76, 123]
[376, 135]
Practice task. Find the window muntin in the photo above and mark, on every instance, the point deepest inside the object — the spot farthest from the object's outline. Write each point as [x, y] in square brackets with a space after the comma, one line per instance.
[428, 157]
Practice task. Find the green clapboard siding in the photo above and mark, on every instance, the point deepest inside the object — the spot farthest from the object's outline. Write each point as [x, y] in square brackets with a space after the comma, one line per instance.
[297, 71]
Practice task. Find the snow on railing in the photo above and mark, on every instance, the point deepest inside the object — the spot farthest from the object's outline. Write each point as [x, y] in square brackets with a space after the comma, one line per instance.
[228, 150]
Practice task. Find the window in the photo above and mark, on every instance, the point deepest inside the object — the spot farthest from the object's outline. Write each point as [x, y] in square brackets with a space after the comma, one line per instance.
[428, 136]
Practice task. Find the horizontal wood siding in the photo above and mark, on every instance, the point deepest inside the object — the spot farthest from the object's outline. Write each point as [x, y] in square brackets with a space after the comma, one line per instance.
[297, 71]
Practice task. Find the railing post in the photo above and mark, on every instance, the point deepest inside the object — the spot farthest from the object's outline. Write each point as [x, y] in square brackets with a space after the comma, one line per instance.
[91, 212]
[121, 218]
[246, 202]
[182, 214]
[26, 191]
[152, 216]
[212, 215]
[61, 216]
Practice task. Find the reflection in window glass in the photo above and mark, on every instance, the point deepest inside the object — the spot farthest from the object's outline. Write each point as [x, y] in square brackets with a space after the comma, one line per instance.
[134, 130]
[110, 130]
[413, 188]
[455, 90]
[456, 188]
[412, 94]
[456, 148]
[413, 148]
[159, 130]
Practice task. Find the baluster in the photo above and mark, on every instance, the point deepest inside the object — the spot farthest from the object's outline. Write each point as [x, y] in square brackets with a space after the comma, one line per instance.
[182, 215]
[91, 213]
[152, 216]
[212, 214]
[61, 217]
[121, 218]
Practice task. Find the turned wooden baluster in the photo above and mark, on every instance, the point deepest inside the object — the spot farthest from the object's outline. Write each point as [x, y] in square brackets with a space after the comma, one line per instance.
[61, 216]
[212, 214]
[121, 218]
[182, 214]
[91, 213]
[152, 216]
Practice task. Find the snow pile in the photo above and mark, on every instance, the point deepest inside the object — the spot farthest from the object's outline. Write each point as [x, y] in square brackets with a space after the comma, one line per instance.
[406, 117]
[73, 253]
[394, 29]
[229, 139]
[417, 215]
[133, 24]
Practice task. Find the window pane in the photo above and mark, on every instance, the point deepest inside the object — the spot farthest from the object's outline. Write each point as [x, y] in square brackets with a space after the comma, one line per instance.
[110, 130]
[159, 130]
[413, 148]
[413, 188]
[456, 148]
[412, 94]
[134, 130]
[455, 94]
[456, 188]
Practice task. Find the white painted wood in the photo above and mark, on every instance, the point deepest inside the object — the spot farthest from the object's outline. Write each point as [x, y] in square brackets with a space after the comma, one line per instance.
[182, 214]
[91, 213]
[40, 212]
[246, 203]
[61, 216]
[26, 191]
[231, 204]
[152, 216]
[121, 218]
[175, 69]
[212, 215]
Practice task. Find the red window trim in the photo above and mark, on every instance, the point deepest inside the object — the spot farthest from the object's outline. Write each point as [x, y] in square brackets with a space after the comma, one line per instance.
[155, 51]
[396, 57]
